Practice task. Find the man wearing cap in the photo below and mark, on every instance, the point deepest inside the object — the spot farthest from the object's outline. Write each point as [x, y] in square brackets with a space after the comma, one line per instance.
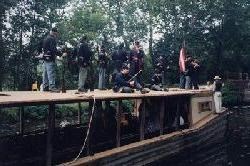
[119, 57]
[125, 83]
[84, 57]
[217, 86]
[156, 80]
[49, 65]
[136, 60]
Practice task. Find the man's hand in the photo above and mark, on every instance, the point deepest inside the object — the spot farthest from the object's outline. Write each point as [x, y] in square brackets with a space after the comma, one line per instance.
[132, 83]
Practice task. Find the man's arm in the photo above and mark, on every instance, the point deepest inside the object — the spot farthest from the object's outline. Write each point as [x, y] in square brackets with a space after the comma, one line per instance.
[120, 81]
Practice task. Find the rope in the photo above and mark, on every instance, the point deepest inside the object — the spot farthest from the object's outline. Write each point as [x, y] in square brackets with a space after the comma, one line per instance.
[87, 135]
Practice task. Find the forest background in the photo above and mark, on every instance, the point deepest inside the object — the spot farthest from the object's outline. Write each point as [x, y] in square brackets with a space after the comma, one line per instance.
[217, 32]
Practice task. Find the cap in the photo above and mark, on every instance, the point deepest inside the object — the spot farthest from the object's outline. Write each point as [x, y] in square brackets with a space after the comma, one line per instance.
[125, 66]
[54, 29]
[217, 78]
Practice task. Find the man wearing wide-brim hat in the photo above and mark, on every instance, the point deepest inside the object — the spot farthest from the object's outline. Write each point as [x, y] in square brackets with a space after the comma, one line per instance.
[217, 86]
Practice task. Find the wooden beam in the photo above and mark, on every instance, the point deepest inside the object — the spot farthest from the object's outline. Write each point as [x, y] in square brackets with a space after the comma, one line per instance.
[79, 114]
[21, 120]
[189, 112]
[142, 120]
[118, 123]
[162, 113]
[50, 133]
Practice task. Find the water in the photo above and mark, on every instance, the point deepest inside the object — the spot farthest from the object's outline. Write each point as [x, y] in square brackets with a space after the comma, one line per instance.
[233, 151]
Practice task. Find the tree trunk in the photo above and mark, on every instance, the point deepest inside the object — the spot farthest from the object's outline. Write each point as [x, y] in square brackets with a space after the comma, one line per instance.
[150, 35]
[19, 58]
[2, 51]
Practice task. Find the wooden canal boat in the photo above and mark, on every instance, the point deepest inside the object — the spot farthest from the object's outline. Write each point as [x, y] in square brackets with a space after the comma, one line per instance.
[202, 126]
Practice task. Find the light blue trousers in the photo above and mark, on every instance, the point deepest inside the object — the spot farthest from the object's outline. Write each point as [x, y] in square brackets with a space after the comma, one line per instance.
[102, 80]
[49, 75]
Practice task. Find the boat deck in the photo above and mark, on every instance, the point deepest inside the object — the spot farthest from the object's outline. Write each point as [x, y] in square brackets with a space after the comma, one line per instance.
[23, 98]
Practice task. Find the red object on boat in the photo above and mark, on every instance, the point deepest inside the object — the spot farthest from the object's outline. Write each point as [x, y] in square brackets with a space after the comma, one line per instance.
[182, 58]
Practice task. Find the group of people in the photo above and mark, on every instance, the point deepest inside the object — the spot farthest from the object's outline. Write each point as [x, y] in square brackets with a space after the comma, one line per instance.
[128, 65]
[189, 71]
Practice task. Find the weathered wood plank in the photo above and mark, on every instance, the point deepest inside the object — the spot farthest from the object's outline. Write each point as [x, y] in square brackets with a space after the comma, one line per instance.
[79, 113]
[202, 134]
[21, 120]
[51, 127]
[118, 123]
[142, 120]
[19, 98]
[162, 111]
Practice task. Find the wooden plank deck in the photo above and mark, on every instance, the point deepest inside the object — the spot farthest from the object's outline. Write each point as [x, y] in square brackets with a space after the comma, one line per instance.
[22, 98]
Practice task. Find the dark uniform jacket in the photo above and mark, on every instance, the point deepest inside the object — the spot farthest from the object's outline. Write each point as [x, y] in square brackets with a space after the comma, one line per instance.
[136, 61]
[103, 59]
[118, 58]
[83, 54]
[49, 48]
[121, 80]
[156, 79]
[218, 85]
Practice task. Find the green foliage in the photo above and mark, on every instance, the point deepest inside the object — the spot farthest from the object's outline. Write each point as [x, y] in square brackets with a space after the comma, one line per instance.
[9, 115]
[127, 105]
[216, 32]
[231, 95]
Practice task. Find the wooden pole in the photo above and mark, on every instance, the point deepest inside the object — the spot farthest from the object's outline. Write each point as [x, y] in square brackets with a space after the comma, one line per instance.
[178, 114]
[118, 123]
[79, 113]
[21, 120]
[189, 113]
[51, 127]
[142, 120]
[162, 111]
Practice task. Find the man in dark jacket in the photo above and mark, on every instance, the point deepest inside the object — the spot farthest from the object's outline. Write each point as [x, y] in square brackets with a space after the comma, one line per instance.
[103, 63]
[136, 59]
[125, 83]
[156, 80]
[84, 56]
[49, 66]
[118, 58]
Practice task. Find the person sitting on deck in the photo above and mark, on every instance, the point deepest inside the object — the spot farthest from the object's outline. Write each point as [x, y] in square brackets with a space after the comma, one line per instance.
[156, 81]
[124, 82]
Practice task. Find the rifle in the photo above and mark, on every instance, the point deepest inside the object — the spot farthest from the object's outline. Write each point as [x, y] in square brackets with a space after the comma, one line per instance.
[135, 75]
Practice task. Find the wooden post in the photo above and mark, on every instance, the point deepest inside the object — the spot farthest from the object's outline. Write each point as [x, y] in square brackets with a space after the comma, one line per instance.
[50, 133]
[240, 76]
[178, 114]
[118, 123]
[142, 120]
[189, 113]
[79, 113]
[162, 111]
[21, 120]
